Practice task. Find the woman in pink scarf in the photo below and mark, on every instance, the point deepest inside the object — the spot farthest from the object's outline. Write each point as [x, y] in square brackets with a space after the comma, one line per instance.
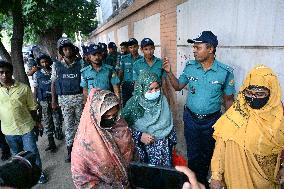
[103, 146]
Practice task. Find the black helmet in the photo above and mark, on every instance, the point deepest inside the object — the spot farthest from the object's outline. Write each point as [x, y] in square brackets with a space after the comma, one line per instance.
[44, 56]
[64, 42]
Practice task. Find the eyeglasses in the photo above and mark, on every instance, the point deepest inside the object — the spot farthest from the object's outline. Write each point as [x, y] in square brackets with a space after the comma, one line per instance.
[256, 93]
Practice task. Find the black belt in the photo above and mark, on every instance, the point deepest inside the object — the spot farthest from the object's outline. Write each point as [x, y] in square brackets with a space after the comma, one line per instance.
[201, 116]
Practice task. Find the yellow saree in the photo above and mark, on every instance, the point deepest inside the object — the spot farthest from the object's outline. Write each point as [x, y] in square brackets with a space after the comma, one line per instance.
[249, 141]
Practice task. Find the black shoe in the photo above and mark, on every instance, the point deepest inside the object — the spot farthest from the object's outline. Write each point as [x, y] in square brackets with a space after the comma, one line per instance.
[68, 158]
[51, 144]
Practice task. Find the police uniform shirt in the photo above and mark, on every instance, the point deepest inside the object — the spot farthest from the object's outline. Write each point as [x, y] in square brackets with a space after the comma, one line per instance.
[206, 88]
[126, 65]
[109, 60]
[102, 79]
[141, 65]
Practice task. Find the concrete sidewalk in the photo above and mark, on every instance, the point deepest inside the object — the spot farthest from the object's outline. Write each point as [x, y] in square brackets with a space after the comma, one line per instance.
[58, 172]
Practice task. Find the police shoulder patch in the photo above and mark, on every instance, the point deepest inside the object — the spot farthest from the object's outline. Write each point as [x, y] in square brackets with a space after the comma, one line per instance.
[108, 66]
[231, 82]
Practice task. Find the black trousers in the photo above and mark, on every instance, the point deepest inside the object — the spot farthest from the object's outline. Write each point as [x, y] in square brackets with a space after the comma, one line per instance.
[200, 143]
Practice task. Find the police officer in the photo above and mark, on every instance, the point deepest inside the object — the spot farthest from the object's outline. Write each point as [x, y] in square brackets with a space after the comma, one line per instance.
[112, 52]
[51, 120]
[32, 65]
[149, 63]
[209, 83]
[65, 82]
[125, 69]
[85, 55]
[124, 48]
[98, 75]
[106, 58]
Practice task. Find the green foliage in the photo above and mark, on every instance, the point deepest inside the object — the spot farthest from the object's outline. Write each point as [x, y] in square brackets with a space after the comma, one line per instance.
[6, 24]
[69, 15]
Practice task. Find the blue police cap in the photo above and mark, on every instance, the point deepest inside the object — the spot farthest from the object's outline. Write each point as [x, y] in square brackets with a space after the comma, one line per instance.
[103, 46]
[205, 37]
[132, 41]
[93, 49]
[112, 45]
[146, 42]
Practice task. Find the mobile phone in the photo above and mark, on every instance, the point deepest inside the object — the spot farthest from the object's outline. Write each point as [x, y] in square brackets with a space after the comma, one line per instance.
[155, 177]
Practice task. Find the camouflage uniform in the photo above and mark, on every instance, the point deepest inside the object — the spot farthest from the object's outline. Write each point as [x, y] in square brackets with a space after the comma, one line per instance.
[51, 120]
[72, 107]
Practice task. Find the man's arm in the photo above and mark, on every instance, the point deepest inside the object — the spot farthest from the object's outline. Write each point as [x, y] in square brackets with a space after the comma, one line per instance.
[85, 94]
[116, 90]
[228, 101]
[229, 90]
[174, 81]
[120, 75]
[32, 71]
[54, 104]
[35, 93]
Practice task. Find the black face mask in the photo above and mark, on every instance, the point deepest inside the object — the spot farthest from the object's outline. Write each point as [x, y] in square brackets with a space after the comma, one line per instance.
[256, 103]
[108, 123]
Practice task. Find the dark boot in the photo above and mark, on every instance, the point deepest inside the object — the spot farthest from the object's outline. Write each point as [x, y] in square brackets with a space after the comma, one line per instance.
[58, 133]
[68, 158]
[51, 144]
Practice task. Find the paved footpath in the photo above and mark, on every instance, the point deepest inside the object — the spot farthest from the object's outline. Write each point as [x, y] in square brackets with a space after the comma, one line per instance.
[58, 171]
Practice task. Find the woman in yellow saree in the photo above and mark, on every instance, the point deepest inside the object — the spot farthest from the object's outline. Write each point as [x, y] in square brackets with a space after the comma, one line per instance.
[250, 136]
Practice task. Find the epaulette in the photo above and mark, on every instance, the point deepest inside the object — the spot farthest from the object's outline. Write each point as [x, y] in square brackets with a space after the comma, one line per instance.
[226, 67]
[108, 66]
[86, 68]
[190, 62]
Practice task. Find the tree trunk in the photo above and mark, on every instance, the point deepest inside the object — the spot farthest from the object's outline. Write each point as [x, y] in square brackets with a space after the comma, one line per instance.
[17, 43]
[49, 40]
[4, 53]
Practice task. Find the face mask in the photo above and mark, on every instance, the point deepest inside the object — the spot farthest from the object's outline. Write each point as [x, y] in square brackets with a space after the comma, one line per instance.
[256, 103]
[153, 96]
[108, 123]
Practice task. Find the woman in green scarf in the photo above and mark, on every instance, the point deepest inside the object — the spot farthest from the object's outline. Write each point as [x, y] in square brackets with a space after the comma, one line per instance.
[149, 115]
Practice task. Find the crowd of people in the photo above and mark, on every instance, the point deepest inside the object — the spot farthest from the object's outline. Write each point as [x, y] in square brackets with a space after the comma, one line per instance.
[110, 109]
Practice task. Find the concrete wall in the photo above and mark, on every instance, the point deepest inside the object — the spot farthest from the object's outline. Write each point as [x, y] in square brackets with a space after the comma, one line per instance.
[248, 33]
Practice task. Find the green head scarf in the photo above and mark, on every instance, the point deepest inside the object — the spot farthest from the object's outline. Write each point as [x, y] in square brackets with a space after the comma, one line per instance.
[150, 116]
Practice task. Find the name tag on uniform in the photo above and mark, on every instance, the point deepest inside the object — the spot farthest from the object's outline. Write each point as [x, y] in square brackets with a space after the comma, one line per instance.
[70, 76]
[216, 82]
[192, 78]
